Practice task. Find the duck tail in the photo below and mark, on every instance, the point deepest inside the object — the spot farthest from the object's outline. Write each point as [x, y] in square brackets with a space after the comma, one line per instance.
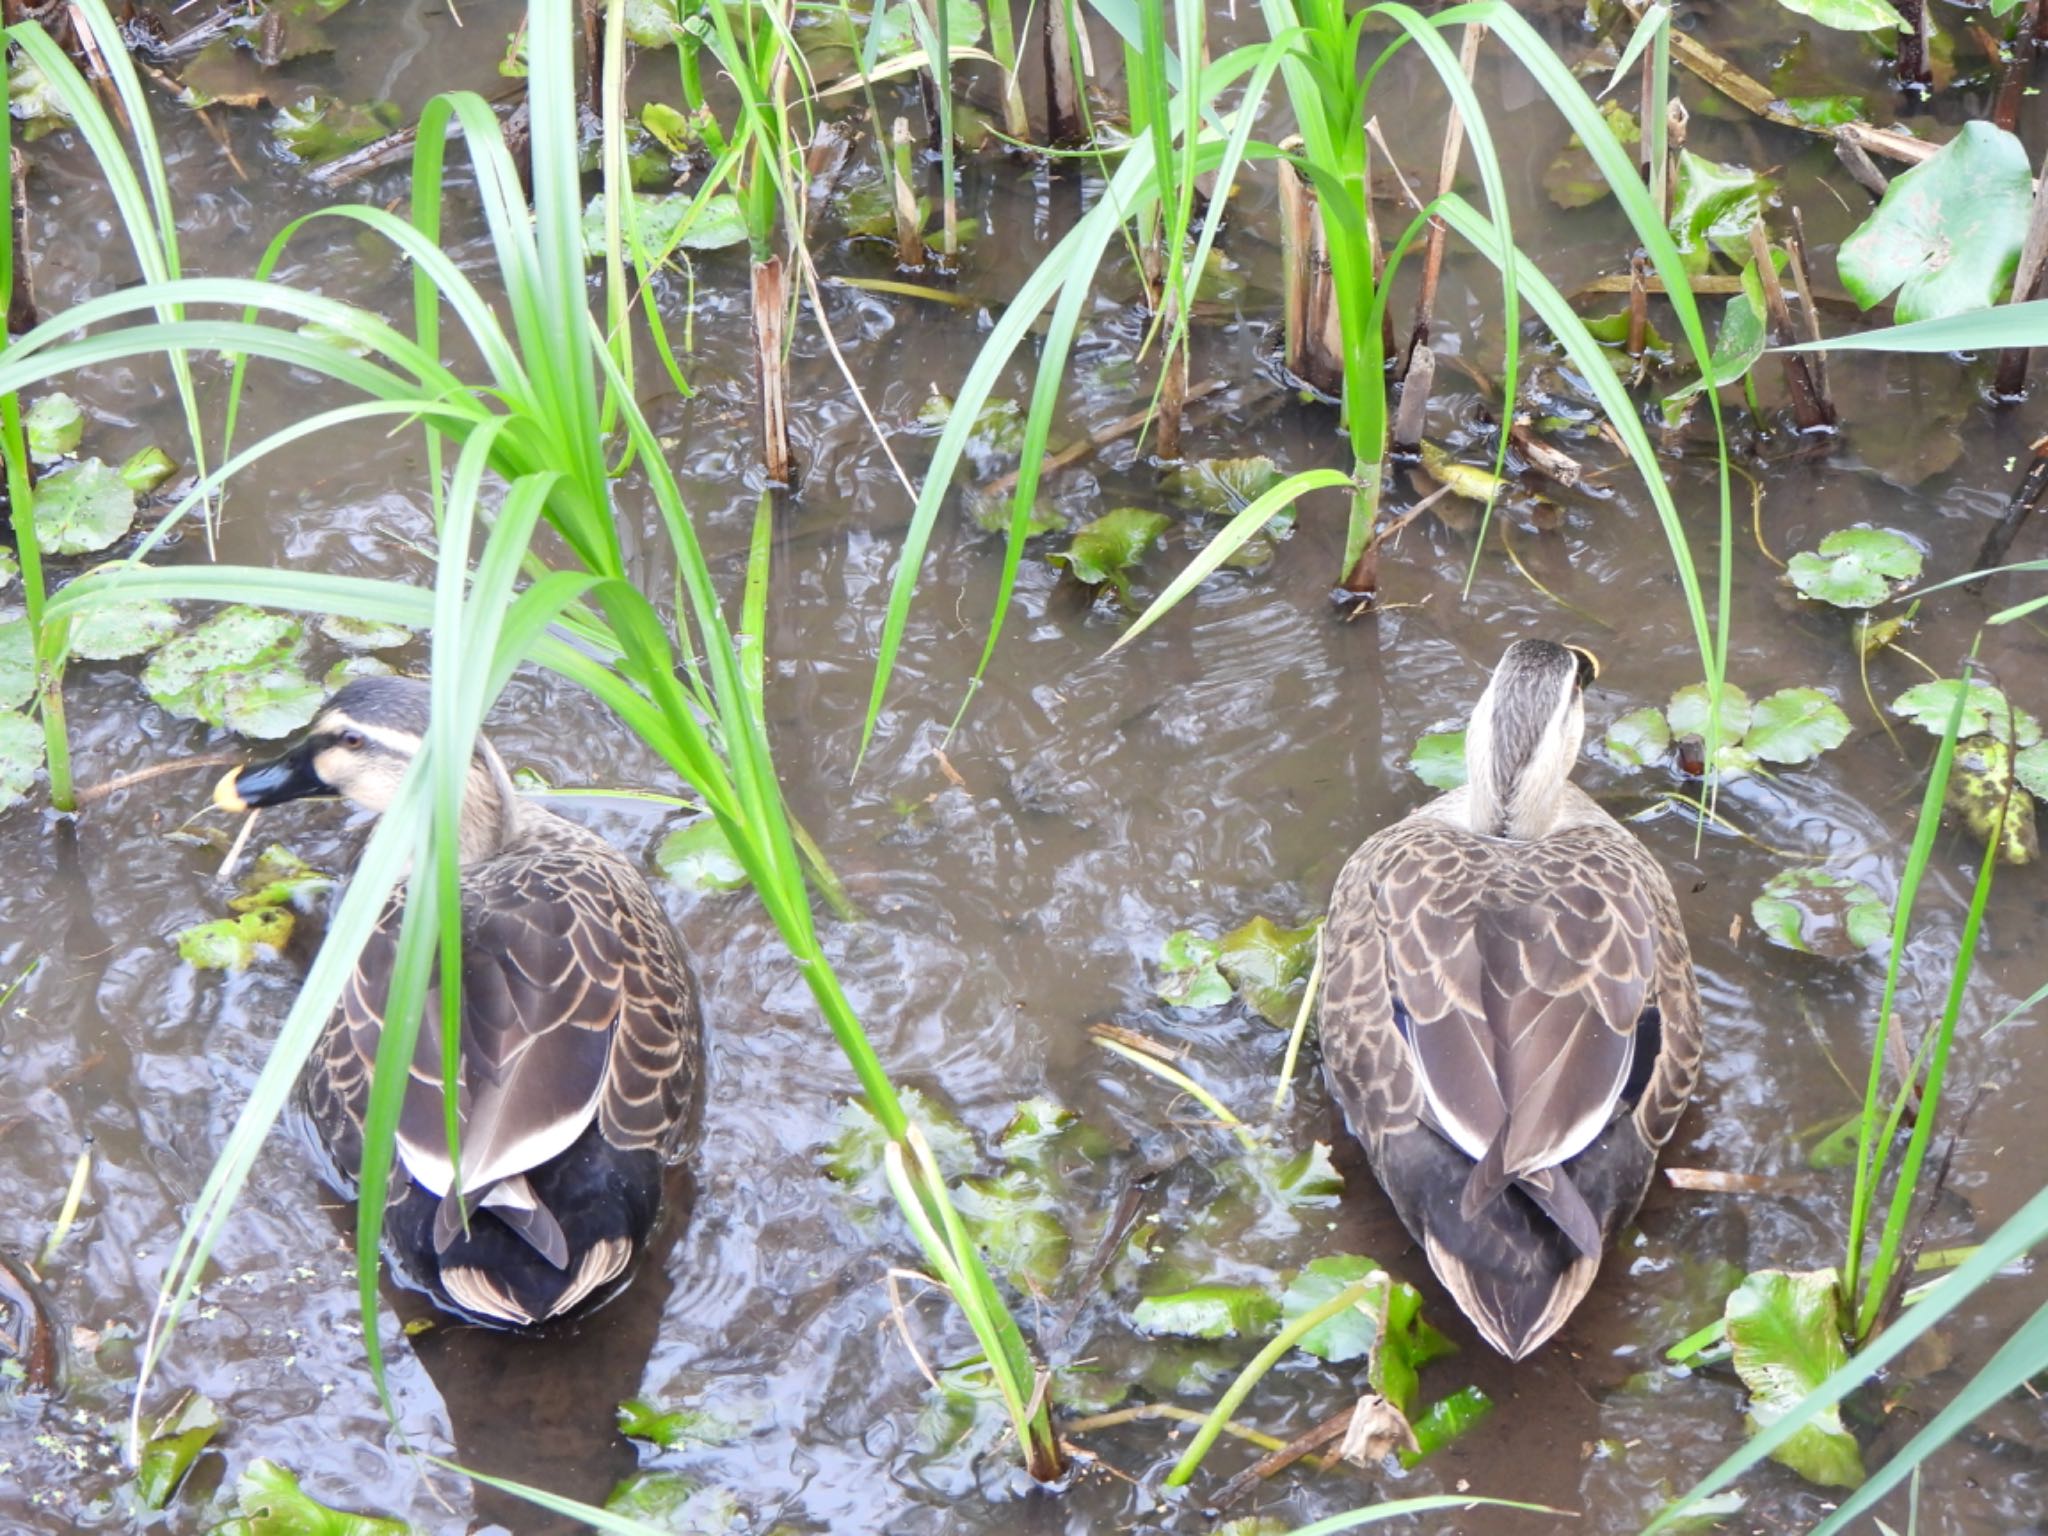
[1515, 1309]
[514, 1203]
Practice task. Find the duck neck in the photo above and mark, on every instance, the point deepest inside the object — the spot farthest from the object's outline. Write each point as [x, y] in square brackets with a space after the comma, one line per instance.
[1517, 771]
[490, 807]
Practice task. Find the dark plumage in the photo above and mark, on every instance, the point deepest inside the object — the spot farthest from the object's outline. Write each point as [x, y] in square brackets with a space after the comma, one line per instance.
[1510, 1021]
[581, 1052]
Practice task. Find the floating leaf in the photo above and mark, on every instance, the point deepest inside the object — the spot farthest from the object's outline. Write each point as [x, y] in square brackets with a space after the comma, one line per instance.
[1009, 1218]
[1785, 1330]
[998, 430]
[279, 878]
[363, 634]
[1192, 979]
[1305, 1180]
[1208, 1312]
[1351, 1334]
[1821, 913]
[1104, 548]
[698, 856]
[1737, 344]
[669, 1501]
[1795, 725]
[1268, 965]
[1948, 232]
[172, 1447]
[270, 1502]
[653, 23]
[221, 74]
[17, 662]
[1036, 1123]
[1687, 712]
[1572, 179]
[867, 211]
[1849, 15]
[673, 1428]
[32, 101]
[2031, 769]
[992, 515]
[894, 32]
[1986, 711]
[1826, 111]
[147, 470]
[114, 631]
[1224, 487]
[240, 669]
[21, 757]
[1638, 738]
[1466, 480]
[1856, 567]
[289, 29]
[1712, 203]
[856, 1151]
[54, 425]
[674, 131]
[1611, 330]
[230, 943]
[1981, 790]
[666, 223]
[1439, 759]
[1444, 1421]
[81, 508]
[349, 668]
[319, 127]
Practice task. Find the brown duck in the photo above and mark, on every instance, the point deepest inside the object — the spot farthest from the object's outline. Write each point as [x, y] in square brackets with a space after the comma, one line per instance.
[581, 1049]
[1511, 1024]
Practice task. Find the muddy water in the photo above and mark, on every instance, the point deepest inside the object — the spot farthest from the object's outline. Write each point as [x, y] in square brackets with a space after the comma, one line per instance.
[1013, 891]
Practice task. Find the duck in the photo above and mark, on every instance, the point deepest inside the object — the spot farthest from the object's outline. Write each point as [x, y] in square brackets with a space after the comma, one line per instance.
[581, 1034]
[1510, 1022]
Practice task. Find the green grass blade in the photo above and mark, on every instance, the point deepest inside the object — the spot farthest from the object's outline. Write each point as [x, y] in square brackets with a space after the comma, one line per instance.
[1394, 1509]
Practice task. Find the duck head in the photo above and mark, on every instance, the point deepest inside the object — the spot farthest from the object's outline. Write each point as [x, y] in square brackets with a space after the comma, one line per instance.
[1524, 738]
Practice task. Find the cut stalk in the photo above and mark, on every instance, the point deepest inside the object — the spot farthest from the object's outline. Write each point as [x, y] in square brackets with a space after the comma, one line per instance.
[909, 226]
[2010, 382]
[1313, 338]
[1062, 96]
[1809, 409]
[770, 306]
[1446, 177]
[1913, 75]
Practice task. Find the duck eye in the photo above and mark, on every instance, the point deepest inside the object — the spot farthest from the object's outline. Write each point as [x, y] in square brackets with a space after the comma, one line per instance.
[353, 741]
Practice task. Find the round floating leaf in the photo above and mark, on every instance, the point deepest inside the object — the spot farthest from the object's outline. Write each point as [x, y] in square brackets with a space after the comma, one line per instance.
[855, 1152]
[1948, 233]
[1986, 711]
[54, 425]
[1687, 712]
[240, 669]
[363, 634]
[1009, 1220]
[230, 943]
[666, 224]
[1350, 1334]
[271, 1503]
[21, 757]
[1102, 550]
[1848, 15]
[1208, 1312]
[148, 469]
[1820, 912]
[992, 514]
[2031, 769]
[1225, 487]
[1982, 792]
[17, 662]
[318, 127]
[81, 508]
[1268, 965]
[699, 857]
[118, 630]
[1638, 738]
[1856, 567]
[1785, 1331]
[1794, 725]
[349, 668]
[1192, 979]
[1439, 759]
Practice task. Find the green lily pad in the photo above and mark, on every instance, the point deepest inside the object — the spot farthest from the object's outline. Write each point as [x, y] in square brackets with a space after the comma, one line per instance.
[1010, 1220]
[81, 508]
[240, 669]
[1819, 912]
[1826, 111]
[698, 856]
[1439, 759]
[1794, 725]
[1982, 791]
[992, 515]
[1225, 487]
[1687, 712]
[318, 127]
[114, 631]
[1948, 232]
[1444, 1421]
[1192, 978]
[653, 23]
[230, 943]
[1351, 1334]
[2031, 769]
[895, 32]
[1269, 965]
[17, 662]
[279, 878]
[1571, 178]
[1638, 738]
[1986, 711]
[1307, 1180]
[1785, 1330]
[363, 634]
[1106, 547]
[54, 425]
[349, 668]
[855, 1153]
[641, 1418]
[1713, 206]
[172, 1447]
[1856, 567]
[148, 469]
[1208, 1312]
[666, 223]
[270, 1502]
[21, 757]
[1849, 15]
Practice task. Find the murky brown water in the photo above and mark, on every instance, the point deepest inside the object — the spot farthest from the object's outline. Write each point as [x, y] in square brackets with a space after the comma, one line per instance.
[1224, 767]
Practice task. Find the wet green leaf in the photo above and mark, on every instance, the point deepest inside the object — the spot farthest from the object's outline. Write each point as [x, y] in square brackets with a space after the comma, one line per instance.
[1225, 487]
[1986, 711]
[1466, 480]
[32, 100]
[1572, 179]
[115, 631]
[2031, 769]
[21, 757]
[279, 878]
[1192, 979]
[1611, 330]
[1208, 1312]
[1444, 1421]
[673, 131]
[867, 211]
[240, 669]
[1037, 1123]
[1638, 738]
[653, 23]
[349, 668]
[17, 662]
[147, 470]
[1009, 1218]
[172, 1448]
[1785, 1330]
[81, 508]
[666, 223]
[895, 32]
[1948, 232]
[641, 1418]
[1838, 1148]
[855, 1152]
[992, 514]
[363, 634]
[1268, 965]
[222, 74]
[289, 29]
[1982, 791]
[1439, 759]
[1712, 203]
[698, 856]
[672, 1502]
[1687, 712]
[512, 65]
[1737, 345]
[1349, 1335]
[998, 430]
[230, 943]
[1856, 567]
[1848, 15]
[318, 127]
[1305, 1180]
[54, 425]
[1826, 111]
[1105, 548]
[270, 1502]
[1822, 913]
[1794, 725]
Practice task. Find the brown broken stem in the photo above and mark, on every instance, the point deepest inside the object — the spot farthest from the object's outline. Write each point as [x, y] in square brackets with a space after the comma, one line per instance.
[1861, 168]
[1062, 99]
[1446, 175]
[2019, 69]
[1808, 409]
[1275, 1462]
[1913, 74]
[2017, 510]
[770, 307]
[1412, 412]
[1173, 381]
[2010, 381]
[1312, 333]
[1638, 308]
[909, 227]
[1817, 361]
[21, 301]
[1547, 459]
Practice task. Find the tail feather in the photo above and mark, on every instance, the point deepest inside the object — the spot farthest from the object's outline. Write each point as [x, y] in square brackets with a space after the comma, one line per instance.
[1558, 1198]
[1516, 1314]
[514, 1203]
[1488, 1179]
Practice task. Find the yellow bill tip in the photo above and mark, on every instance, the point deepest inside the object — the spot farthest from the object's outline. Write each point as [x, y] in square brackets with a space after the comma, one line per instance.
[225, 795]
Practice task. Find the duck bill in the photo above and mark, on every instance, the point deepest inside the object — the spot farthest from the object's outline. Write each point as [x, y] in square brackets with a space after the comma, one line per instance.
[290, 777]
